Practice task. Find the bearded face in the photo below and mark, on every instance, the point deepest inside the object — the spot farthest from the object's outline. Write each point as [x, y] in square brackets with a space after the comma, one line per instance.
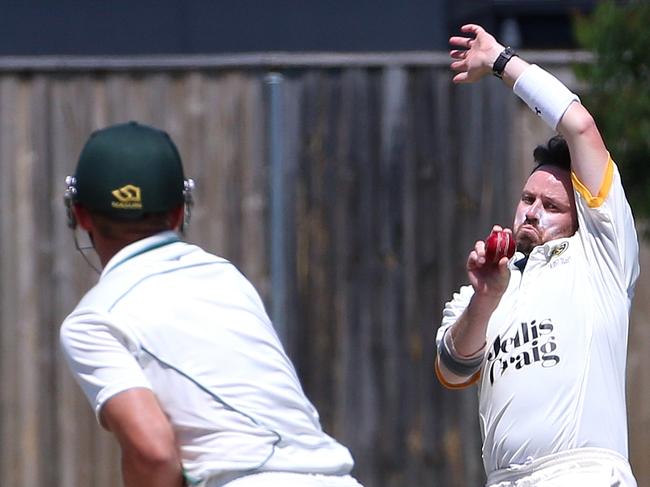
[546, 209]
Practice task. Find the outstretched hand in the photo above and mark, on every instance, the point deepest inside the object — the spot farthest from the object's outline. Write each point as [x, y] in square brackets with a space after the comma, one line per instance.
[473, 56]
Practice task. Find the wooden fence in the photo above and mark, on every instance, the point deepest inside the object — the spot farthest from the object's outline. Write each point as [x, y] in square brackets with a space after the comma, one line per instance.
[389, 175]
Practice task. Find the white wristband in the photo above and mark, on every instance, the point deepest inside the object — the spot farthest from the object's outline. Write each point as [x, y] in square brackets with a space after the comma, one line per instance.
[544, 94]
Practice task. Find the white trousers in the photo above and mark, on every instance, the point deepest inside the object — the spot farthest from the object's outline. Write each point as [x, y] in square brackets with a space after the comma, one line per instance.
[593, 467]
[286, 479]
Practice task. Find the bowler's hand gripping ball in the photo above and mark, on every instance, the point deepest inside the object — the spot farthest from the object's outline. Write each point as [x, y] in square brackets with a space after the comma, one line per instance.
[498, 245]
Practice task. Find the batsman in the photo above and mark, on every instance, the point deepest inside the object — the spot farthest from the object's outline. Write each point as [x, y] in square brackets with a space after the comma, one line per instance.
[172, 346]
[544, 333]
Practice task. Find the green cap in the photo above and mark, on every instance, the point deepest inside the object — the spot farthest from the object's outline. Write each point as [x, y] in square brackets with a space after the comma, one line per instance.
[128, 170]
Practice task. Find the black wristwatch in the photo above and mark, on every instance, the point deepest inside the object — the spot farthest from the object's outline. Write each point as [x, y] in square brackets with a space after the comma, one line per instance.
[500, 64]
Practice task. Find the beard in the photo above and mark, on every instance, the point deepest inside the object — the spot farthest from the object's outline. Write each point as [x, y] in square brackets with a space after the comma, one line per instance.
[526, 241]
[525, 246]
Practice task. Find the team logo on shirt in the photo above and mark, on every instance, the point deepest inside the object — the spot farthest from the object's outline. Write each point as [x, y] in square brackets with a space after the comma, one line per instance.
[532, 344]
[559, 249]
[127, 197]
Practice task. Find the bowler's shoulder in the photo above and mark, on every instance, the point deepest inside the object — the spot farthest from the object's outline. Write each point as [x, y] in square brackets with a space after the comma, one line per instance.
[611, 187]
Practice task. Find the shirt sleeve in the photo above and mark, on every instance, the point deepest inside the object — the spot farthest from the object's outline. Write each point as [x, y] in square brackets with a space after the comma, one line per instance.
[101, 357]
[450, 314]
[606, 227]
[453, 309]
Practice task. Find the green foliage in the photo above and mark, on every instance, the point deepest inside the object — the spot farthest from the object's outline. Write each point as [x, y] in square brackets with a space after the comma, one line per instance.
[619, 93]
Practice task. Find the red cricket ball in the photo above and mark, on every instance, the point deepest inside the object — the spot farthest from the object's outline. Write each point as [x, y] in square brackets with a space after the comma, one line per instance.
[498, 245]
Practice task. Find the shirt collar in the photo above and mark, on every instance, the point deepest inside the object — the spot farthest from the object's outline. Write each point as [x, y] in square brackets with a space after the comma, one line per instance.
[543, 253]
[140, 247]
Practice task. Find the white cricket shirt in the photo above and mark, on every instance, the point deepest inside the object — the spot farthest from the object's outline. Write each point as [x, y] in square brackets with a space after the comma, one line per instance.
[168, 316]
[553, 377]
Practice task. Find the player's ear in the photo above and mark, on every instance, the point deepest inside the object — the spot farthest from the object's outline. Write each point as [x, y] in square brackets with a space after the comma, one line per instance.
[83, 217]
[176, 217]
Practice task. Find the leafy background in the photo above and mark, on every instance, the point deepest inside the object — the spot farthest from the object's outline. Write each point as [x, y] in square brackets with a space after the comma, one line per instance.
[619, 89]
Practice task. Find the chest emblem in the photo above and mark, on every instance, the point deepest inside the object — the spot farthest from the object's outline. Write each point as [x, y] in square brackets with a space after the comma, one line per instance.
[559, 249]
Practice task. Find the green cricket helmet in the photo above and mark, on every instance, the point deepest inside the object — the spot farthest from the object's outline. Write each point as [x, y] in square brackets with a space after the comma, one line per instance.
[128, 170]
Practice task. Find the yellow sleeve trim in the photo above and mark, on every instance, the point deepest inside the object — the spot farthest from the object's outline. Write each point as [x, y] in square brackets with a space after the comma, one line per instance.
[596, 201]
[471, 381]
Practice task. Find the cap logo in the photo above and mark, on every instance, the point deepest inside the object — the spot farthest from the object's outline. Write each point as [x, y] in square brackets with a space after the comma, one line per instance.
[127, 197]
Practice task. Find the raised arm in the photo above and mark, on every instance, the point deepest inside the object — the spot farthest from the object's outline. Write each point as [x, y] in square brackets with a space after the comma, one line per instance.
[474, 55]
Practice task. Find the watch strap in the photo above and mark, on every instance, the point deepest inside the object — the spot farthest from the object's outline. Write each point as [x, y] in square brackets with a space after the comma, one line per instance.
[500, 64]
